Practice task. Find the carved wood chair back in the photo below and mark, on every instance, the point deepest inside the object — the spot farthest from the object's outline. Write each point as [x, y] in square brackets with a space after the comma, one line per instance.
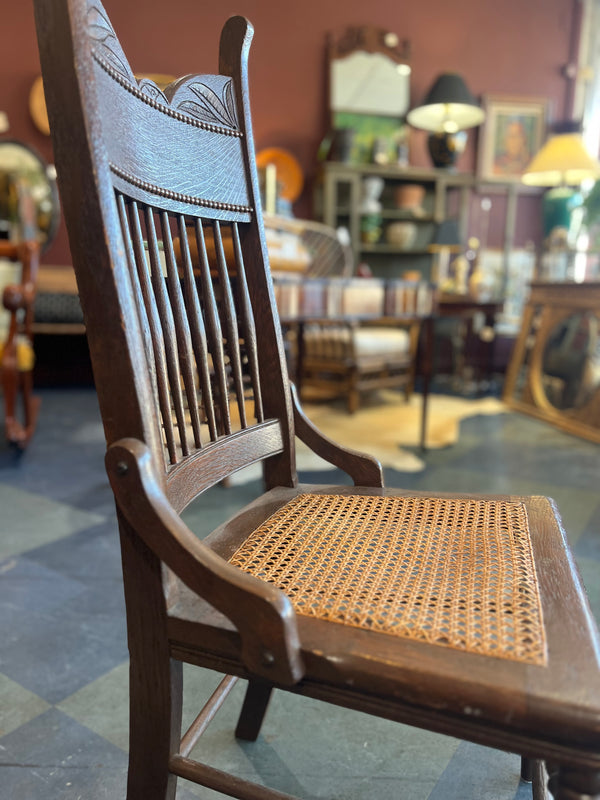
[190, 372]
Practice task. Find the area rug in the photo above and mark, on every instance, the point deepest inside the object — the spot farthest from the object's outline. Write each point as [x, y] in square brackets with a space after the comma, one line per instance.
[387, 427]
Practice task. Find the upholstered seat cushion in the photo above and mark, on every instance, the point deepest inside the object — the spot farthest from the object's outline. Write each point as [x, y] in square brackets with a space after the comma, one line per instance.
[381, 341]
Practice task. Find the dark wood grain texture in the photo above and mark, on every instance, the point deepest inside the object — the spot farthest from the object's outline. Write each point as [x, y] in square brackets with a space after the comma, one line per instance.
[163, 210]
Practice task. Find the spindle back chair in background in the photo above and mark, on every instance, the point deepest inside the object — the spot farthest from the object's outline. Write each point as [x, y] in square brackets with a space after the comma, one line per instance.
[464, 615]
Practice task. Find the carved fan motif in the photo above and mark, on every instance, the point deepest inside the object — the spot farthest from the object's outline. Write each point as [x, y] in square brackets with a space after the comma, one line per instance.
[196, 99]
[209, 107]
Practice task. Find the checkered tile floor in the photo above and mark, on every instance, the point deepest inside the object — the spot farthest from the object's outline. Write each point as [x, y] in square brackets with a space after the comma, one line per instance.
[63, 652]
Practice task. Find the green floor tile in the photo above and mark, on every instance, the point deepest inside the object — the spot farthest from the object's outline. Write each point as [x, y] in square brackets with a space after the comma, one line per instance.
[17, 705]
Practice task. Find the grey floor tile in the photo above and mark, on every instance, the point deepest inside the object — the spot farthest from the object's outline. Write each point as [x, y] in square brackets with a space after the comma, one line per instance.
[55, 653]
[588, 544]
[58, 758]
[315, 750]
[92, 553]
[54, 739]
[57, 783]
[30, 587]
[482, 774]
[576, 466]
[30, 520]
[103, 706]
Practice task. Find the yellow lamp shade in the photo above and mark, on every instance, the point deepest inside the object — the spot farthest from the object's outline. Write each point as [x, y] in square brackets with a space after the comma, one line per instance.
[563, 160]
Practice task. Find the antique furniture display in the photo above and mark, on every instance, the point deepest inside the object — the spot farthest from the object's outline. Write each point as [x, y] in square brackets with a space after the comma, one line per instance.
[464, 615]
[357, 334]
[554, 372]
[348, 335]
[444, 194]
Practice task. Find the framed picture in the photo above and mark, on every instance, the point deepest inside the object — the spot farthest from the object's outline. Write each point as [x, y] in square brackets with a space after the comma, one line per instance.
[513, 132]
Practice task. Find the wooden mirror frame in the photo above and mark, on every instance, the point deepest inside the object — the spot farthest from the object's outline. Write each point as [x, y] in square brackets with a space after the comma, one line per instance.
[372, 120]
[549, 305]
[372, 40]
[46, 233]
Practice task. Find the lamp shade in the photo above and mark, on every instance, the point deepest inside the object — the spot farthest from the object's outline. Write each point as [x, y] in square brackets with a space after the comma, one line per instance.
[563, 160]
[448, 106]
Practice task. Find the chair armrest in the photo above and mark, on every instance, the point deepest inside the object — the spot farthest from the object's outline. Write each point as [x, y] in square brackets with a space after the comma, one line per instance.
[262, 614]
[363, 469]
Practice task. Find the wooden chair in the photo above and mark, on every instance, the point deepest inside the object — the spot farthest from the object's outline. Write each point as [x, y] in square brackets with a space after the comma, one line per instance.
[16, 352]
[464, 615]
[347, 358]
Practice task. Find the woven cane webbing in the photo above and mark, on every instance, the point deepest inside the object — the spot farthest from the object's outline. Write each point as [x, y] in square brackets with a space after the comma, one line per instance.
[451, 572]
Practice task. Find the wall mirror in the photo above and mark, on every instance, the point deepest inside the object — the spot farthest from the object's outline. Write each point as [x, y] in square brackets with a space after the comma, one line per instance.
[554, 373]
[369, 88]
[29, 204]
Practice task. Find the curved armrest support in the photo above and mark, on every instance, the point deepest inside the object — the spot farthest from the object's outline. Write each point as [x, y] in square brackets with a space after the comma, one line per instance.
[262, 614]
[363, 469]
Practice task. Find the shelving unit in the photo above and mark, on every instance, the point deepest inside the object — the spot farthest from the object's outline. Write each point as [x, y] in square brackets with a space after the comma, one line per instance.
[446, 195]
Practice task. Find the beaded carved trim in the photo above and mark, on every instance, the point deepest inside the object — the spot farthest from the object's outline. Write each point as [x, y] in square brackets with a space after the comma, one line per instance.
[451, 572]
[170, 112]
[178, 196]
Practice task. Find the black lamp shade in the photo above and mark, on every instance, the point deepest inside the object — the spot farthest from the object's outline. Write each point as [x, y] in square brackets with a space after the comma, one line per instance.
[448, 106]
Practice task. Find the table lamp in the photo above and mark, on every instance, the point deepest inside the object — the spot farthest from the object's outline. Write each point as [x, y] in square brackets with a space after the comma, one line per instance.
[563, 163]
[447, 111]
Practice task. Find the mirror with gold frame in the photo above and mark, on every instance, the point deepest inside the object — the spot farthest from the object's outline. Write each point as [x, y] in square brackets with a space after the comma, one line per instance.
[554, 372]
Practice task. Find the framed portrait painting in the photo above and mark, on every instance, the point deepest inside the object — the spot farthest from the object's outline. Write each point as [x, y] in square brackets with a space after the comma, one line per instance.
[513, 132]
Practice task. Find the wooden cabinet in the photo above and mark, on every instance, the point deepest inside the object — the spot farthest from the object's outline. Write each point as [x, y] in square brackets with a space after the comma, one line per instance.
[446, 196]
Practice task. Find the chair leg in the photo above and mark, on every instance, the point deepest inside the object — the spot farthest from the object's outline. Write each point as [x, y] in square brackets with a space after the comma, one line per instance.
[353, 392]
[253, 710]
[527, 767]
[575, 784]
[155, 704]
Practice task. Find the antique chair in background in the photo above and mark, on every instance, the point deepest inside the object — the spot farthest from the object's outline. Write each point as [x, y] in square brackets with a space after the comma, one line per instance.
[16, 350]
[464, 615]
[367, 338]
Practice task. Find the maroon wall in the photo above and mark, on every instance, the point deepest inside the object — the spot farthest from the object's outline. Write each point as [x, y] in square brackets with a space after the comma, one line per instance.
[508, 47]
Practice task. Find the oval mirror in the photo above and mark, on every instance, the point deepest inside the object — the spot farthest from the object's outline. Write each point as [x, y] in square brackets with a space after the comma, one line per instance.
[29, 204]
[571, 361]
